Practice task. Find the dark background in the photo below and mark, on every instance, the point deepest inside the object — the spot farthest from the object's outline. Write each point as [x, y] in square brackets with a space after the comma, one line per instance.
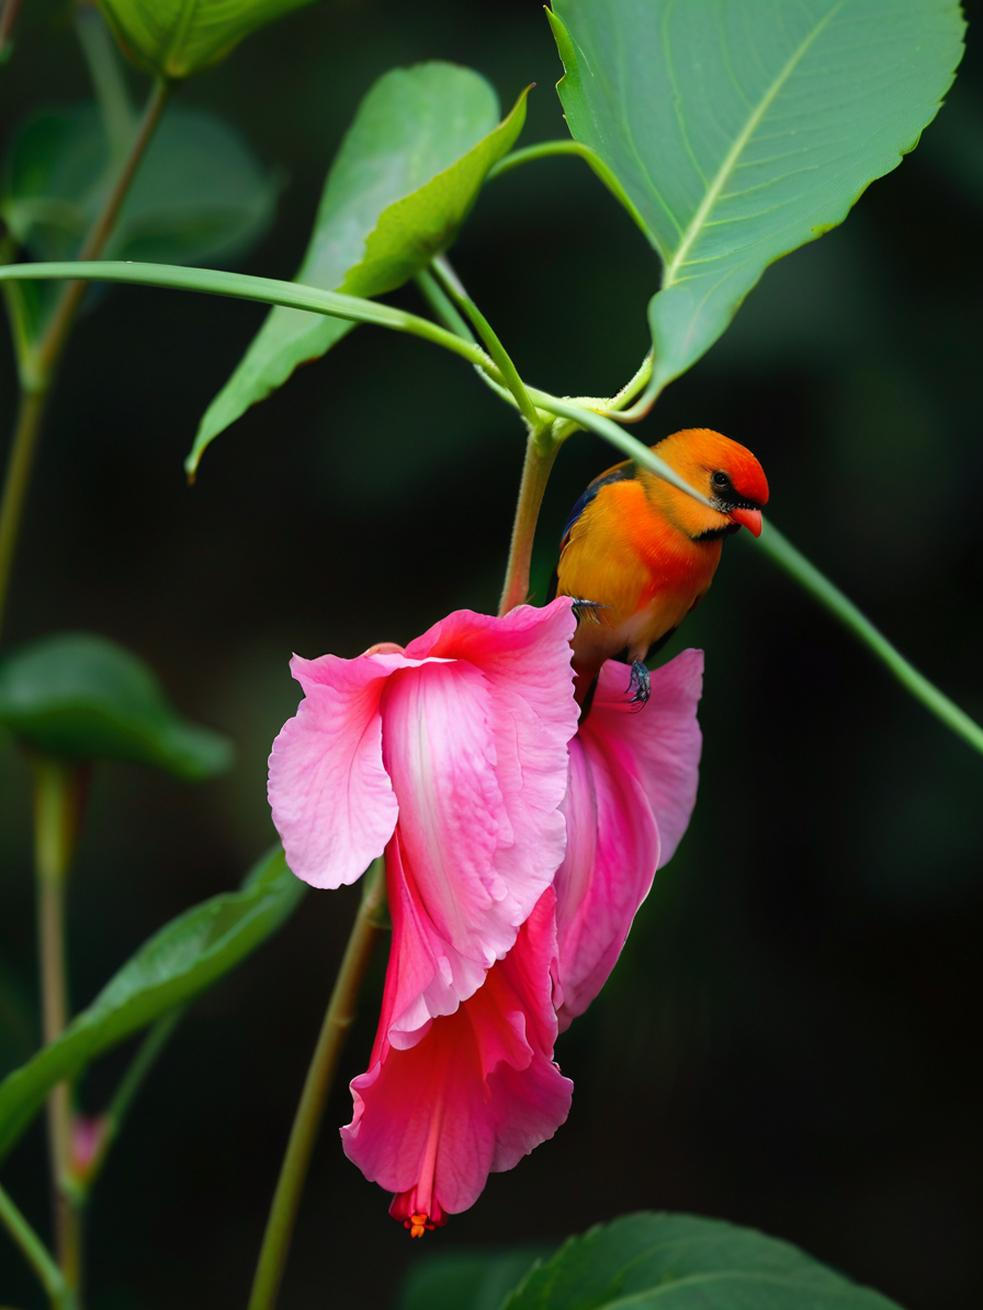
[789, 1039]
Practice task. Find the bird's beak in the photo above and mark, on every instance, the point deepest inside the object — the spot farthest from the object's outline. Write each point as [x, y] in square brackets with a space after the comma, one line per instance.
[748, 518]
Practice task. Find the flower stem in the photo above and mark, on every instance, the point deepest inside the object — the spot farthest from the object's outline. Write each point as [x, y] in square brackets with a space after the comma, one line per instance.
[58, 795]
[317, 1085]
[23, 446]
[541, 452]
[451, 285]
[36, 1254]
[38, 365]
[780, 549]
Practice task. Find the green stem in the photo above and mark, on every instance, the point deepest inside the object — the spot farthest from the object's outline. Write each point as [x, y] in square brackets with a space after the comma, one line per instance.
[141, 1064]
[780, 549]
[56, 334]
[541, 453]
[36, 1254]
[58, 795]
[451, 284]
[338, 1019]
[448, 314]
[101, 55]
[550, 149]
[38, 366]
[23, 448]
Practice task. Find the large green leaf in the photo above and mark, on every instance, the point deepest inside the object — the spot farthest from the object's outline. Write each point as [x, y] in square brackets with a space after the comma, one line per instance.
[680, 1262]
[199, 196]
[176, 38]
[464, 1280]
[740, 131]
[408, 171]
[177, 963]
[81, 697]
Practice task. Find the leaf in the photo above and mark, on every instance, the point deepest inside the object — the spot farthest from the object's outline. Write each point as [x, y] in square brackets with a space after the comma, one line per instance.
[680, 1262]
[408, 171]
[81, 697]
[464, 1280]
[199, 195]
[742, 131]
[175, 38]
[176, 964]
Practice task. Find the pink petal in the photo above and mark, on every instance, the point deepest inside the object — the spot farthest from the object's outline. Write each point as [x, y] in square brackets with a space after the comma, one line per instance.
[479, 1091]
[612, 855]
[632, 787]
[661, 744]
[477, 751]
[333, 804]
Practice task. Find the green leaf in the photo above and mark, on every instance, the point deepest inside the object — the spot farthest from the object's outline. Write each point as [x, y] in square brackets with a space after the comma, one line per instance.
[680, 1262]
[81, 697]
[464, 1280]
[408, 171]
[742, 131]
[175, 38]
[176, 964]
[199, 195]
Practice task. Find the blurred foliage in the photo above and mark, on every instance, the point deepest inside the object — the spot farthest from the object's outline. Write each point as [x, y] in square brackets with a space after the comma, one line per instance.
[80, 697]
[182, 959]
[785, 1041]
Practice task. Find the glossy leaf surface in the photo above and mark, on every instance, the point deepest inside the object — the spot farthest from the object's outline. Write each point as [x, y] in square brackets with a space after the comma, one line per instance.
[176, 38]
[81, 697]
[408, 171]
[742, 131]
[681, 1262]
[464, 1280]
[183, 959]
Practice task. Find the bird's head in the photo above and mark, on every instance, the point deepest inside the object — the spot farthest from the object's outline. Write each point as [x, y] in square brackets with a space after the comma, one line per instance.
[723, 472]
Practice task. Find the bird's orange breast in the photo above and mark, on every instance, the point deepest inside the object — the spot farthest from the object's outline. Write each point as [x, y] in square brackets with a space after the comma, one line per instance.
[645, 573]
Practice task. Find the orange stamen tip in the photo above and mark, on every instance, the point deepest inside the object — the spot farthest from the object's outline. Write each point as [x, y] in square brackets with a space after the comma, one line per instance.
[418, 1224]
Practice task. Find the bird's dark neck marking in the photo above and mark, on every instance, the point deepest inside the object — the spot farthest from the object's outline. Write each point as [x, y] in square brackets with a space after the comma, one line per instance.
[715, 534]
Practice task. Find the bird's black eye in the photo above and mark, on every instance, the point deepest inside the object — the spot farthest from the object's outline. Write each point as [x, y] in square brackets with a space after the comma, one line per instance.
[720, 480]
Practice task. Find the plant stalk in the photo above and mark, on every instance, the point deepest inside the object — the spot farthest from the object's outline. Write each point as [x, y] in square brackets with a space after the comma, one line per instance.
[541, 452]
[38, 365]
[58, 795]
[7, 20]
[36, 1254]
[338, 1018]
[23, 447]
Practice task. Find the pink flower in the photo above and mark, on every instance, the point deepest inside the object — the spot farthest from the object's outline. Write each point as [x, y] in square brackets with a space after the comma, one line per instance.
[516, 859]
[456, 748]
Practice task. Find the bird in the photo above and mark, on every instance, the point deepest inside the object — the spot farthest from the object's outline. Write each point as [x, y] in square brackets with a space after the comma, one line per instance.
[637, 553]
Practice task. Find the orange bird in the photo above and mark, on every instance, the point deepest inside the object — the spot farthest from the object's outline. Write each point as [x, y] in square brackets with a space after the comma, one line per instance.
[637, 553]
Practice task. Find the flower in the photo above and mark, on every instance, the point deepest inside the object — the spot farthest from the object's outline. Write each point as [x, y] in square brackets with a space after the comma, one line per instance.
[455, 751]
[517, 855]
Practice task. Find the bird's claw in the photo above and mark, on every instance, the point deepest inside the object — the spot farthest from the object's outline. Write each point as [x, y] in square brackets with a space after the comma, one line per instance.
[586, 609]
[640, 683]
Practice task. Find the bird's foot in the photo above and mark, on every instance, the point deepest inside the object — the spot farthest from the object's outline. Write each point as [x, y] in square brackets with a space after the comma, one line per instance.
[640, 684]
[586, 609]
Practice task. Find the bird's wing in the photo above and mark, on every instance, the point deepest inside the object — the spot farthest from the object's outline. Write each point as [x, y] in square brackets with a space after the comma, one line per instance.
[619, 473]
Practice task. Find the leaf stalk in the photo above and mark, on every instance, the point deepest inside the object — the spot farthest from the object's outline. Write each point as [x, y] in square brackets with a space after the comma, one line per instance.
[338, 1019]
